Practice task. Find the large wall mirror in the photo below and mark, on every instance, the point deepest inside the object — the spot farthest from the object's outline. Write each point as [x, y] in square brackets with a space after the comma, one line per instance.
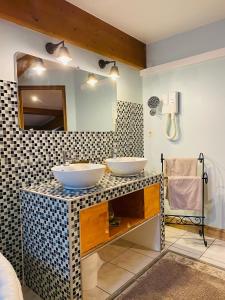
[53, 96]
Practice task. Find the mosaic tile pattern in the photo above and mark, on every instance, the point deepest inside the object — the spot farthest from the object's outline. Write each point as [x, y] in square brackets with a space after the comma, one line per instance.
[46, 246]
[27, 157]
[129, 124]
[10, 234]
[40, 226]
[108, 187]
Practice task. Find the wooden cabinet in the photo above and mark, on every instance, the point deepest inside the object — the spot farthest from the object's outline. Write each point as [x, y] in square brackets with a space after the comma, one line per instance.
[152, 200]
[131, 210]
[94, 226]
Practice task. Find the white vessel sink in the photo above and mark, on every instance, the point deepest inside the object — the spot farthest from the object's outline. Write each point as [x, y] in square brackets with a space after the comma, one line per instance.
[79, 176]
[126, 166]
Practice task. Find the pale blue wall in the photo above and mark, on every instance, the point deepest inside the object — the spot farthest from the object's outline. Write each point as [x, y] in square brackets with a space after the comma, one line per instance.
[202, 39]
[202, 123]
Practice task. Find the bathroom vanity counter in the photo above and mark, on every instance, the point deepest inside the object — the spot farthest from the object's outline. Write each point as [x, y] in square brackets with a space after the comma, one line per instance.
[108, 188]
[62, 226]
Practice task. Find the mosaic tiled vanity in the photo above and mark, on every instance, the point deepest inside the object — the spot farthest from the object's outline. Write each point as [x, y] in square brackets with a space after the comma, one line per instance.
[51, 231]
[27, 157]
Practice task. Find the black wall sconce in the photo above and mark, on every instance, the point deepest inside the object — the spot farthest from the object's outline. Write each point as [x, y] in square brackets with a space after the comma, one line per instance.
[60, 50]
[114, 71]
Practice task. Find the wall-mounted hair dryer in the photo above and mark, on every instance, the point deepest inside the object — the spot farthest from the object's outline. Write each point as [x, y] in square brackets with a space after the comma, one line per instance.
[153, 102]
[170, 109]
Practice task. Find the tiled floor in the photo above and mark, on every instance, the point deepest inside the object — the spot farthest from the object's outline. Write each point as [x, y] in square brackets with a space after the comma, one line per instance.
[124, 259]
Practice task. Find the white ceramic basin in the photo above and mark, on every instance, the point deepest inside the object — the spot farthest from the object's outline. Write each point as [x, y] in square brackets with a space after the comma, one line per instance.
[79, 176]
[126, 166]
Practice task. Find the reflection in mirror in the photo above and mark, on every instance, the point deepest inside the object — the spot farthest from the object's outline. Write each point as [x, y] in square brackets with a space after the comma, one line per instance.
[53, 96]
[42, 107]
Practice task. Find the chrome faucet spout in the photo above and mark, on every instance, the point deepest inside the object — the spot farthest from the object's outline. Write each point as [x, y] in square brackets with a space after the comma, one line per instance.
[114, 150]
[65, 161]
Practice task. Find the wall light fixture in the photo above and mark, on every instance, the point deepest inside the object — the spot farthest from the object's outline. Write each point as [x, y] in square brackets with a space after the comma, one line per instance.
[38, 66]
[114, 71]
[92, 80]
[60, 50]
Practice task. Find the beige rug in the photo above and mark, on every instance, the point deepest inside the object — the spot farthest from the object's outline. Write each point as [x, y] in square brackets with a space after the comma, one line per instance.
[178, 277]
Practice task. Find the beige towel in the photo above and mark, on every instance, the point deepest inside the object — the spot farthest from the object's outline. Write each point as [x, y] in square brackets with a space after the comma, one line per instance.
[181, 167]
[185, 192]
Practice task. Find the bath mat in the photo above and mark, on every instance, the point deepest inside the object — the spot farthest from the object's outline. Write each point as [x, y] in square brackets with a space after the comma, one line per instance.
[175, 276]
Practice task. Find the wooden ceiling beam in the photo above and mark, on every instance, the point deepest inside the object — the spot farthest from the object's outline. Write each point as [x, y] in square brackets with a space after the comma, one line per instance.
[64, 21]
[24, 63]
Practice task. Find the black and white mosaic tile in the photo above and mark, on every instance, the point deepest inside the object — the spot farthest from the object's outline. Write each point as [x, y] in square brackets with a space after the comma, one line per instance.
[27, 157]
[46, 246]
[129, 124]
[51, 214]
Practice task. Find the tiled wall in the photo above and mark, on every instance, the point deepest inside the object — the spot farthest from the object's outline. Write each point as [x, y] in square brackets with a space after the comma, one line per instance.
[129, 129]
[46, 246]
[27, 157]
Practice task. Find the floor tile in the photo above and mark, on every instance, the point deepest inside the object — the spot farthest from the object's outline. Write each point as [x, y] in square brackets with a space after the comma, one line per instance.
[173, 234]
[111, 277]
[28, 294]
[113, 250]
[214, 262]
[174, 230]
[167, 245]
[145, 251]
[187, 253]
[132, 261]
[124, 292]
[95, 294]
[192, 242]
[216, 251]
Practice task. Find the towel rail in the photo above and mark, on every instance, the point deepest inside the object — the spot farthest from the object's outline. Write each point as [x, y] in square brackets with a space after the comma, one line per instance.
[191, 219]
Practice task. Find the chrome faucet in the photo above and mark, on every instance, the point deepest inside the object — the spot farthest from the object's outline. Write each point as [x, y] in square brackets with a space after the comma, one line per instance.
[114, 150]
[73, 160]
[65, 160]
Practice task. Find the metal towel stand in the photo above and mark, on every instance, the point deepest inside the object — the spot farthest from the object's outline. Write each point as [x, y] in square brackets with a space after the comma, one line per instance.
[191, 220]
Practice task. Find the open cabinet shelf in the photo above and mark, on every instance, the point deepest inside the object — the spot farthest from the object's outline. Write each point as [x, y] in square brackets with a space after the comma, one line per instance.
[126, 223]
[132, 210]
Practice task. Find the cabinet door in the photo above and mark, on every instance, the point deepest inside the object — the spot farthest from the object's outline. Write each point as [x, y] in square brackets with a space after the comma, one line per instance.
[94, 226]
[152, 200]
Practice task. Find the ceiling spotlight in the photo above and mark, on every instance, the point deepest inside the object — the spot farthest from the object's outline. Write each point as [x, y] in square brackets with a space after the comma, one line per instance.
[60, 50]
[114, 71]
[92, 80]
[34, 98]
[38, 66]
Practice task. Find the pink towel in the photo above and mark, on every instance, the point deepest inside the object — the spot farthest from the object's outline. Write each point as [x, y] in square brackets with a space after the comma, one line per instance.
[181, 167]
[185, 192]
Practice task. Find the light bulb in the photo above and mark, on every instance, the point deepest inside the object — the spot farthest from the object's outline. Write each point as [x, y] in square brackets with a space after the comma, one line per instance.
[63, 55]
[38, 66]
[92, 80]
[34, 98]
[114, 73]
